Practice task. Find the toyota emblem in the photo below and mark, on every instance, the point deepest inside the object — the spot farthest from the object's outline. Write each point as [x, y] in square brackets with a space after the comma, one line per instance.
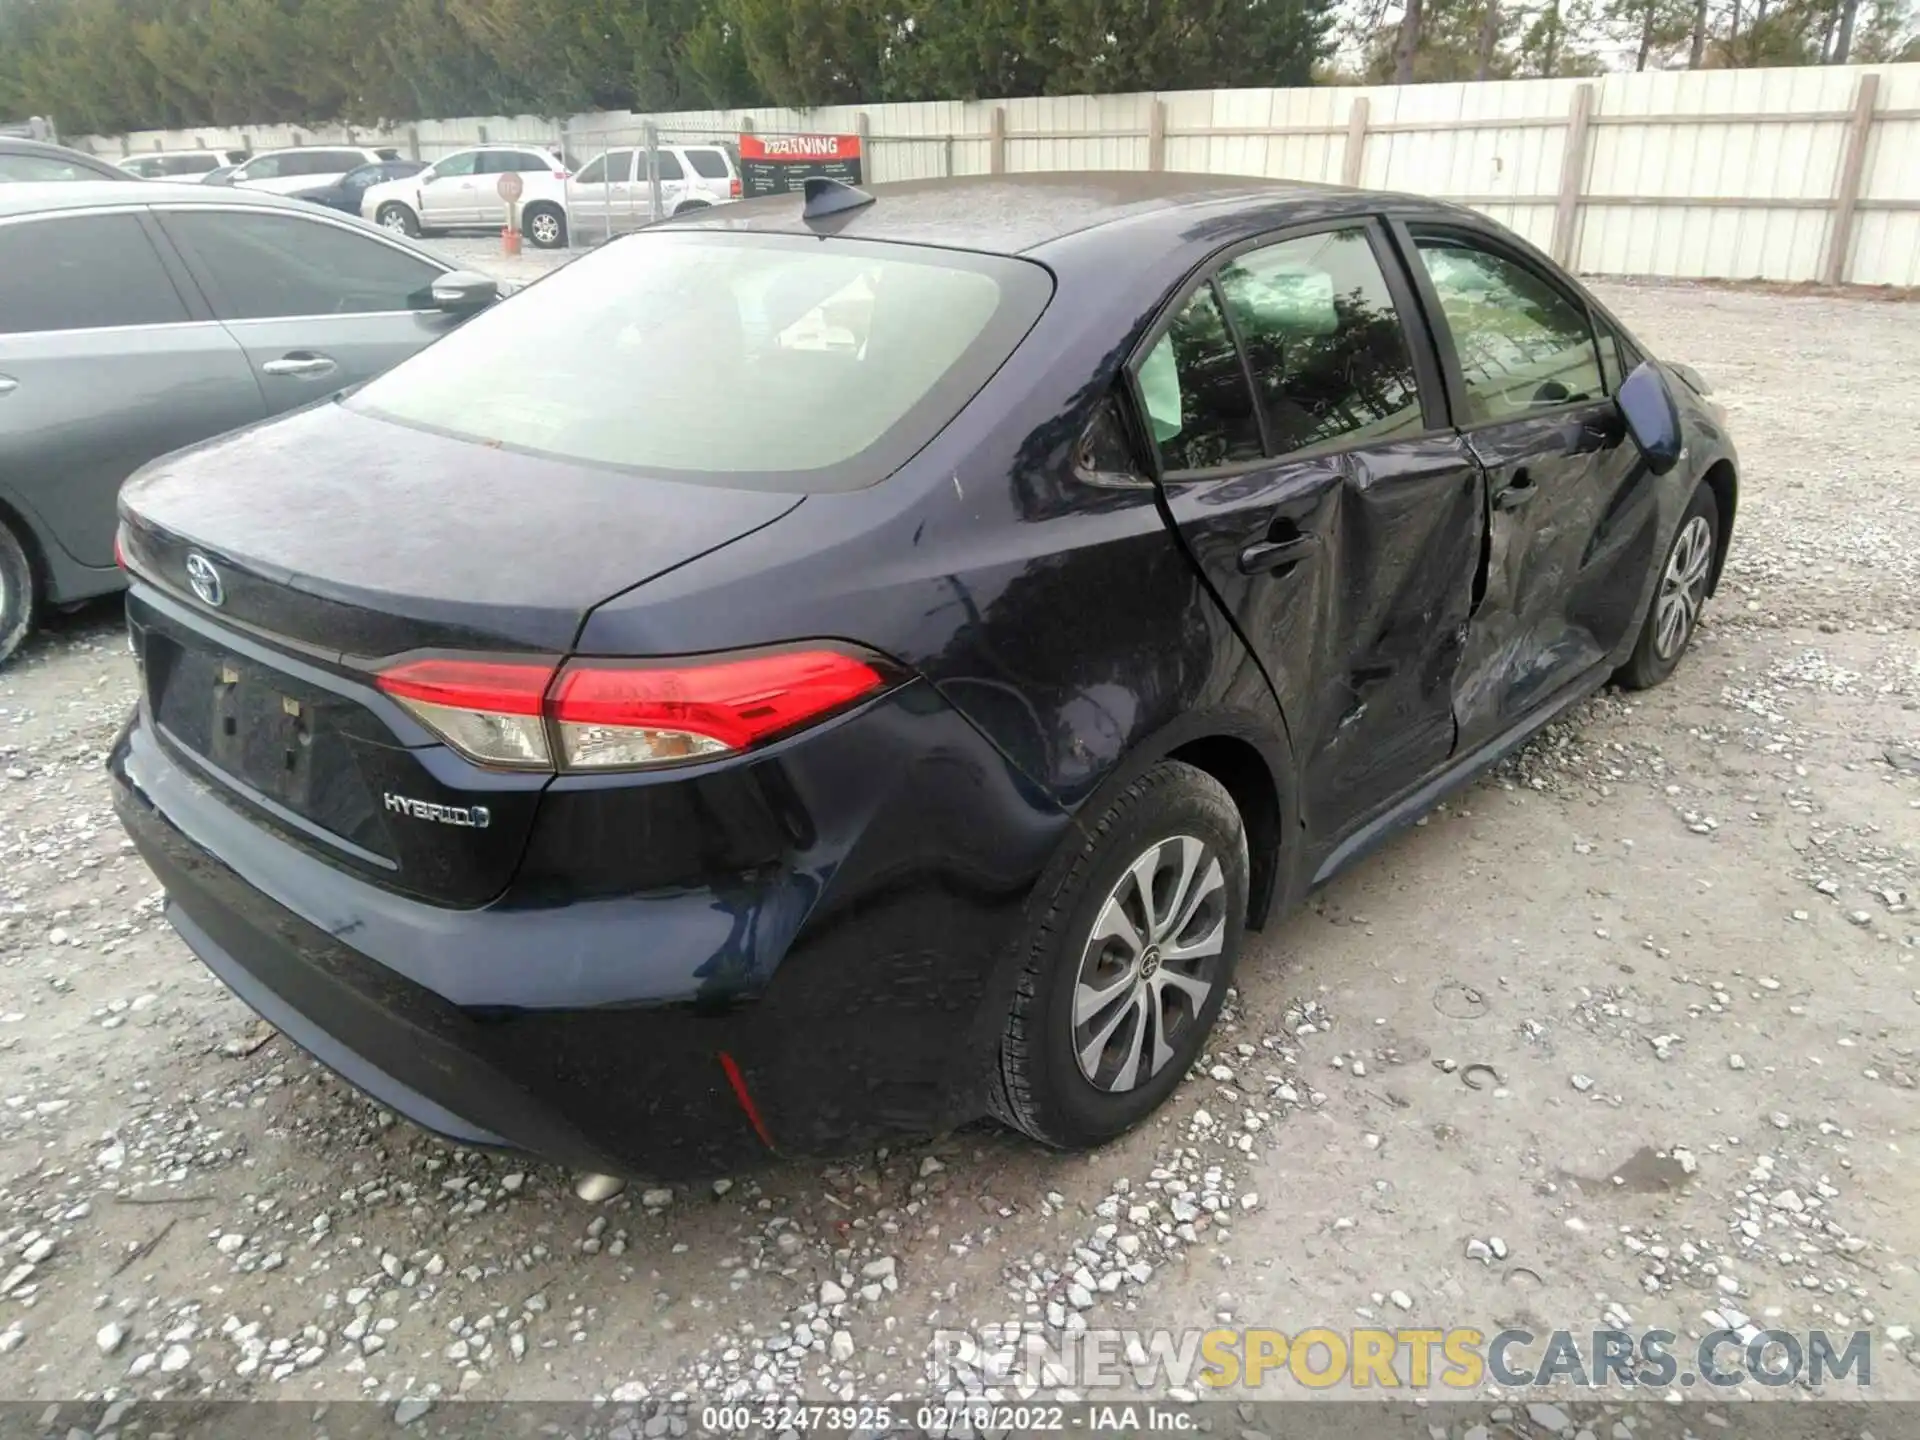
[204, 579]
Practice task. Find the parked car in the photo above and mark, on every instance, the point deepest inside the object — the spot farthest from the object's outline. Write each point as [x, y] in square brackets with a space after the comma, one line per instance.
[135, 321]
[346, 193]
[1088, 566]
[461, 191]
[28, 161]
[182, 164]
[304, 168]
[221, 176]
[613, 191]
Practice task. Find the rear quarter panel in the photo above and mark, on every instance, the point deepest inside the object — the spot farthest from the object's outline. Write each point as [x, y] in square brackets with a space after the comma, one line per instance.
[1059, 616]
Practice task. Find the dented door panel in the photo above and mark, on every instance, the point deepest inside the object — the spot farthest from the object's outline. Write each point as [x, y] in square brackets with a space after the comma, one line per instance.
[1555, 600]
[1407, 537]
[1362, 632]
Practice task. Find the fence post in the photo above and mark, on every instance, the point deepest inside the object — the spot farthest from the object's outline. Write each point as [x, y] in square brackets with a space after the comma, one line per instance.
[1853, 169]
[1157, 134]
[1573, 173]
[1353, 161]
[997, 141]
[413, 142]
[861, 128]
[650, 133]
[946, 156]
[483, 134]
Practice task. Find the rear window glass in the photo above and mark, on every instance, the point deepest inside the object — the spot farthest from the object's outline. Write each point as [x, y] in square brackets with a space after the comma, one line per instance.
[764, 361]
[708, 163]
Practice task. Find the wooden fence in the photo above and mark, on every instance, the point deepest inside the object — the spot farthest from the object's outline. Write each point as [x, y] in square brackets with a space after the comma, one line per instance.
[1807, 174]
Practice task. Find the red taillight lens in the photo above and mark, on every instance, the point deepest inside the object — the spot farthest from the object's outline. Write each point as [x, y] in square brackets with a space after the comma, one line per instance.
[119, 551]
[643, 715]
[614, 715]
[488, 710]
[559, 174]
[733, 188]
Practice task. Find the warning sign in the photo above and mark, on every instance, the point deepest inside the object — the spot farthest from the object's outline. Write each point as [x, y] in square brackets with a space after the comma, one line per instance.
[775, 164]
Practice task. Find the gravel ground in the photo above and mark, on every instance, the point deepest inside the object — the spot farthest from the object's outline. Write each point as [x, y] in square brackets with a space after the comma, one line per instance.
[1679, 927]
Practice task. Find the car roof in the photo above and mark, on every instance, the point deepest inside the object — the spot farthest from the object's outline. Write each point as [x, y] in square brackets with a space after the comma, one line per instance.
[39, 197]
[1015, 214]
[302, 149]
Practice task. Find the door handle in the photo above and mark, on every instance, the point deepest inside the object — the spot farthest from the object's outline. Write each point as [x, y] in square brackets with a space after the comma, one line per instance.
[8, 384]
[1272, 555]
[1518, 491]
[299, 365]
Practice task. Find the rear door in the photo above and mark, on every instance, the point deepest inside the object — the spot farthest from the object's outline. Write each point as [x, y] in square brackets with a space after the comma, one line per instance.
[449, 195]
[712, 178]
[317, 304]
[1308, 465]
[1563, 566]
[491, 209]
[673, 186]
[105, 363]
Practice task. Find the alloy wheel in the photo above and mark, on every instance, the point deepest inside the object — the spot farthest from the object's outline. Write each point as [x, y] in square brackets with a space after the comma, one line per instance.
[394, 220]
[1683, 587]
[1150, 963]
[545, 228]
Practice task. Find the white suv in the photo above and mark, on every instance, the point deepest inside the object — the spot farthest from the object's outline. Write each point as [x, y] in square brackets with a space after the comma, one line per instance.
[462, 190]
[612, 192]
[180, 164]
[305, 167]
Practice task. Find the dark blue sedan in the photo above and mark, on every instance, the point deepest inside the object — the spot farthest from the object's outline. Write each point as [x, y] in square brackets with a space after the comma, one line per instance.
[818, 672]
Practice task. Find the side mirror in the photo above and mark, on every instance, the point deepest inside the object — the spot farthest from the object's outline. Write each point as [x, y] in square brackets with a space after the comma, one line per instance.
[464, 292]
[1652, 418]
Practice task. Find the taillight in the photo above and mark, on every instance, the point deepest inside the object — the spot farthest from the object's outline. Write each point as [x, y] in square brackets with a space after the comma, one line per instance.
[559, 174]
[733, 188]
[488, 710]
[596, 715]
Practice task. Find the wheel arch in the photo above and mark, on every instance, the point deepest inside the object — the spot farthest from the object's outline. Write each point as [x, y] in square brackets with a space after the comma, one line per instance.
[1724, 482]
[39, 564]
[1244, 773]
[1249, 757]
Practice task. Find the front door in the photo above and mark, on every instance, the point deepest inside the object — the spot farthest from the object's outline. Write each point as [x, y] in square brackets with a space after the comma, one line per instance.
[1307, 465]
[489, 208]
[317, 305]
[673, 186]
[450, 194]
[1565, 556]
[102, 367]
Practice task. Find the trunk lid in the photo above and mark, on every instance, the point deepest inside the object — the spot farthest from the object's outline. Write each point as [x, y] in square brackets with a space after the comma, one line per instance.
[349, 534]
[337, 540]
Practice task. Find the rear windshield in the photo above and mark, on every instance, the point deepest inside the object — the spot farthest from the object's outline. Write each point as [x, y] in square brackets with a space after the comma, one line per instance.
[778, 362]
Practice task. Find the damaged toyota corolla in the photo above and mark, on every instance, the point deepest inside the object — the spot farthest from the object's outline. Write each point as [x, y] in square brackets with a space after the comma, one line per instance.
[1064, 575]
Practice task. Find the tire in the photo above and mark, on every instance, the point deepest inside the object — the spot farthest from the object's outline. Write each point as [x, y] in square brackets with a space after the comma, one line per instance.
[691, 206]
[546, 226]
[398, 218]
[18, 592]
[1673, 615]
[1042, 1086]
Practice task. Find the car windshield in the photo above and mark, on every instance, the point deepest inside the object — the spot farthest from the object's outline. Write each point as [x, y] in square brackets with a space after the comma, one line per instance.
[764, 361]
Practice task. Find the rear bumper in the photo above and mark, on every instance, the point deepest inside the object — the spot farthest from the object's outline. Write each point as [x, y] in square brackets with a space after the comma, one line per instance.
[619, 1034]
